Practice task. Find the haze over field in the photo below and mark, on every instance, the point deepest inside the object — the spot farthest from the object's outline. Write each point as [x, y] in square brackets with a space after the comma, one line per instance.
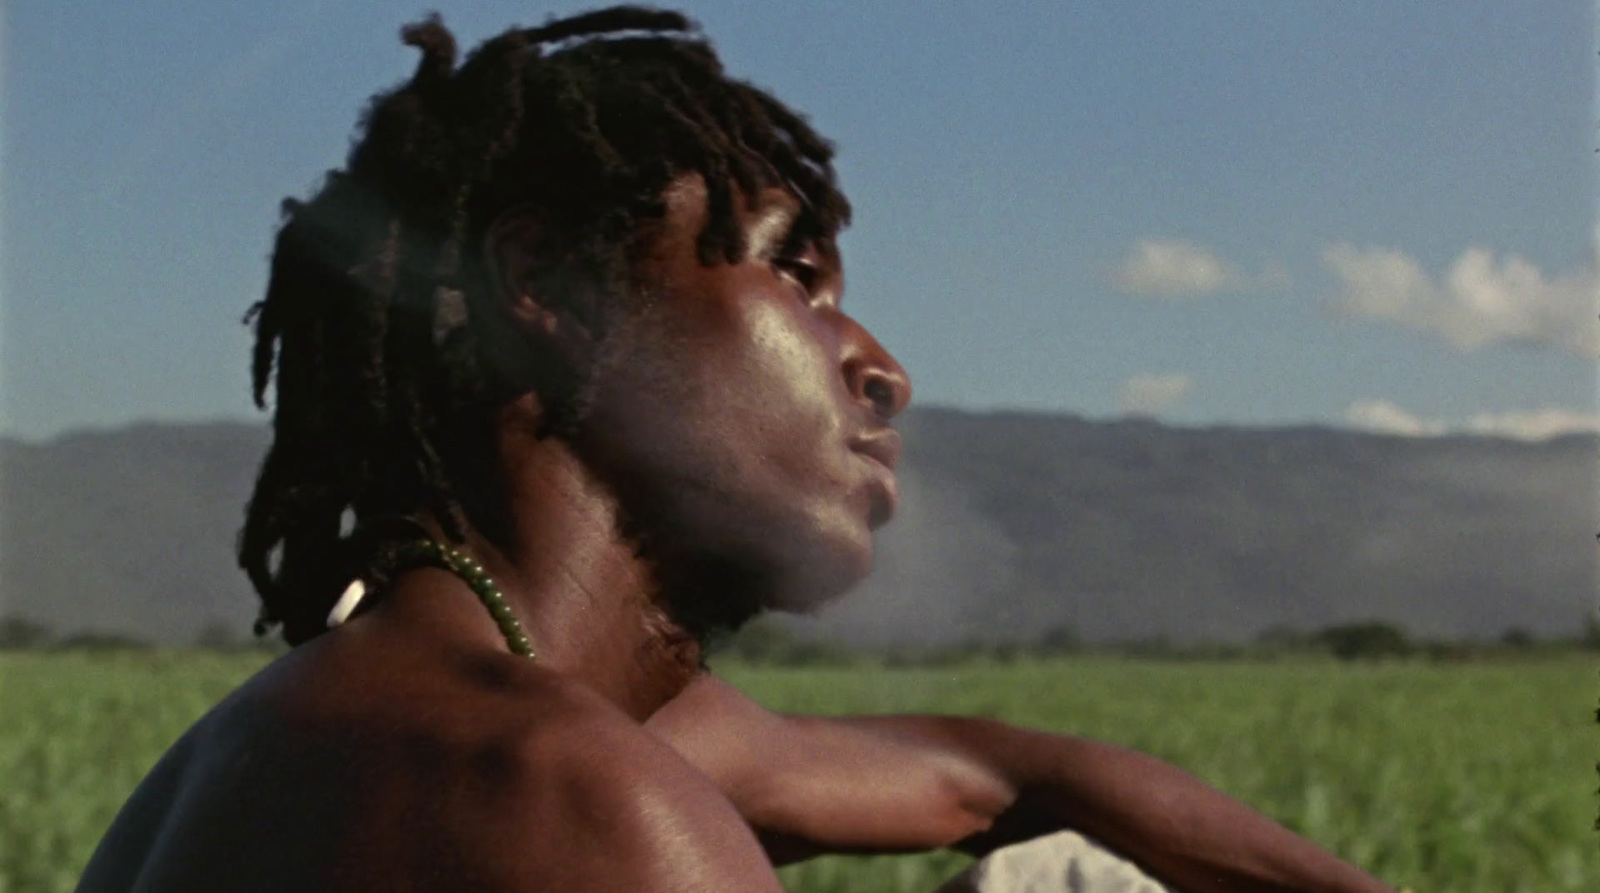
[1011, 524]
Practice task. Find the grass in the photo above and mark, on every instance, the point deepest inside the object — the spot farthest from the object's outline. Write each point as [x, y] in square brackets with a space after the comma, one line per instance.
[1456, 778]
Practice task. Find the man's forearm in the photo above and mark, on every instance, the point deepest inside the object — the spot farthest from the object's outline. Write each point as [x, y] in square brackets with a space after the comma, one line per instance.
[862, 784]
[1177, 827]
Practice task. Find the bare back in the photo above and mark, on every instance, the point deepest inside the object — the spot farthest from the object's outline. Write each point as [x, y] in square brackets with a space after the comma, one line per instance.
[351, 765]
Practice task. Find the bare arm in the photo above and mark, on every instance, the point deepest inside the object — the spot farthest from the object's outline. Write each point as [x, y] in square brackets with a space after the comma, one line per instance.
[884, 784]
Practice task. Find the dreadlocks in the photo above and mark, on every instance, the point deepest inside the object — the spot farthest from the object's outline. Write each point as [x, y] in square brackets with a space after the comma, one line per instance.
[374, 331]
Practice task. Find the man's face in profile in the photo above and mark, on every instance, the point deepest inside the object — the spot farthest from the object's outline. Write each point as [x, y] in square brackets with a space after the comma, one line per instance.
[743, 417]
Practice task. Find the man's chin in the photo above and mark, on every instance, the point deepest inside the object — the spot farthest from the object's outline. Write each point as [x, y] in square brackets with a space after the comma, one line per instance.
[712, 602]
[710, 592]
[810, 593]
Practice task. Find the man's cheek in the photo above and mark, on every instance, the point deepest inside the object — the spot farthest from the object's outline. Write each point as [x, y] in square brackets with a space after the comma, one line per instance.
[789, 370]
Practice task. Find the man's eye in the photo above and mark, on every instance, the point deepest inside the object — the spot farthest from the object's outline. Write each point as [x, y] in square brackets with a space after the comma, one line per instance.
[801, 272]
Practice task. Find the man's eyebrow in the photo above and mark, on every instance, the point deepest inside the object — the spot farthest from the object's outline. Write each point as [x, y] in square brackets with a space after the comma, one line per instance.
[770, 231]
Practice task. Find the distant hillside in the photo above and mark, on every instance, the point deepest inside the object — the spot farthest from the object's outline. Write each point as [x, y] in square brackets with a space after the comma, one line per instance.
[1011, 523]
[128, 531]
[1014, 523]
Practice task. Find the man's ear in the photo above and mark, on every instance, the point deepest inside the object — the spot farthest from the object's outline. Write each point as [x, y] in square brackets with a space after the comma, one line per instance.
[544, 305]
[526, 275]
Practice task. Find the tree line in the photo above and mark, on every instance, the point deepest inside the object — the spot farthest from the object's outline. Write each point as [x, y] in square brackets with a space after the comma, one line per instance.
[769, 641]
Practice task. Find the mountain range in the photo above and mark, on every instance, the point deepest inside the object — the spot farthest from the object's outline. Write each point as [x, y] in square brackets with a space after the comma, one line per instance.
[1011, 523]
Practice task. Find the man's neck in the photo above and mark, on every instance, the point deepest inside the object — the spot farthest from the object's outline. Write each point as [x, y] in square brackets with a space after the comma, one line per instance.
[586, 599]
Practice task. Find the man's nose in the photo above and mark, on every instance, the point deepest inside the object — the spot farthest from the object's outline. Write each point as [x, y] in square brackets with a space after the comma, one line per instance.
[874, 376]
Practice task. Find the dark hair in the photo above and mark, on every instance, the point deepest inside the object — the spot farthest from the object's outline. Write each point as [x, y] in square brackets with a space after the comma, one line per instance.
[370, 332]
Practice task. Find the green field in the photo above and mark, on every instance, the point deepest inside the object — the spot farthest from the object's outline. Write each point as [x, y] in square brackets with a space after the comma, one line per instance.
[1461, 778]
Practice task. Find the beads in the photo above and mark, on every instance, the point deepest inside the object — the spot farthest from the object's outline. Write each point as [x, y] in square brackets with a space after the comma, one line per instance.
[428, 551]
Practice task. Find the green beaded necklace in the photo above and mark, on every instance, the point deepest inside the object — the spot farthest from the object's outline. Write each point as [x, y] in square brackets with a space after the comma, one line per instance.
[416, 553]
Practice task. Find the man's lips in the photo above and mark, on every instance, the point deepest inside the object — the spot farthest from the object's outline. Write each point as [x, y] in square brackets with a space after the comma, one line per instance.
[881, 445]
[881, 449]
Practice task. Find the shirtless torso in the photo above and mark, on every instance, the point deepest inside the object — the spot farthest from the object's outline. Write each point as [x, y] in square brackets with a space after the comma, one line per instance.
[399, 756]
[377, 760]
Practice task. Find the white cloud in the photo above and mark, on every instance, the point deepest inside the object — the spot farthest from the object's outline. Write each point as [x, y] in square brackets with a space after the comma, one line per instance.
[1480, 300]
[1172, 268]
[1149, 395]
[1175, 268]
[1384, 417]
[1538, 424]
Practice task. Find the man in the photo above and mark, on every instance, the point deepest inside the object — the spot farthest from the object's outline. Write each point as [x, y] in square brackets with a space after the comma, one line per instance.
[560, 372]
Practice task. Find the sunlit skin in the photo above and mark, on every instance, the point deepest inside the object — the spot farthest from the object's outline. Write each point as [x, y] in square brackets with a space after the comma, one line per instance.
[408, 750]
[754, 418]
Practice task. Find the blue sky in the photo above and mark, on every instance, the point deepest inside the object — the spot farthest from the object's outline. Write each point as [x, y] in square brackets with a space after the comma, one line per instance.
[1369, 214]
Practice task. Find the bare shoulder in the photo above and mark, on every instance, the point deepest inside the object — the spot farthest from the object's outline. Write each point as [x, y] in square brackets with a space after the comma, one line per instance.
[496, 777]
[578, 796]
